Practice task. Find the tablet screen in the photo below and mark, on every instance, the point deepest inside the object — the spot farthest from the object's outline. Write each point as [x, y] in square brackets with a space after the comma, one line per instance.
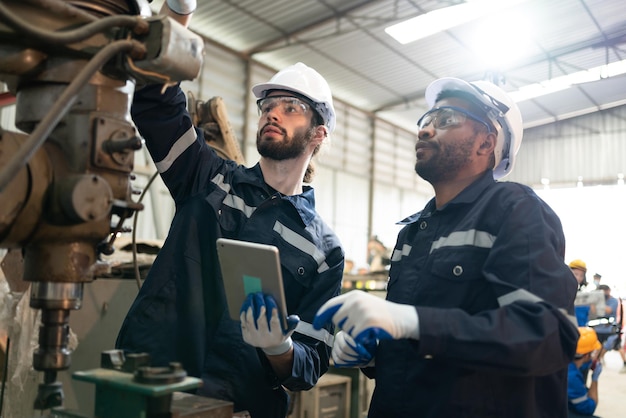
[249, 267]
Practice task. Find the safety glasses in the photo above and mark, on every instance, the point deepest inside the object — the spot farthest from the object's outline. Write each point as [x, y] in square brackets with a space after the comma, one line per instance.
[288, 105]
[448, 117]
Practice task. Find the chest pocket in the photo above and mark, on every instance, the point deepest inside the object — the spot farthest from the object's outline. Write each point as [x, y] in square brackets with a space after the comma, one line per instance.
[458, 265]
[457, 279]
[297, 266]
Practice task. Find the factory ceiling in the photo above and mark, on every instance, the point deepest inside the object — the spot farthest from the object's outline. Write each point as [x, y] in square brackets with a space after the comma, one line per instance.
[520, 44]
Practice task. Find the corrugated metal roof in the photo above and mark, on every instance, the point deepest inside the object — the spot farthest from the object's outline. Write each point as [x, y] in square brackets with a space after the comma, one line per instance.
[345, 41]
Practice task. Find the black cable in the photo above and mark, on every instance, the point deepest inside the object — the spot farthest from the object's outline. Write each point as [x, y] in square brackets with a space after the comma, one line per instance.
[60, 108]
[134, 240]
[69, 36]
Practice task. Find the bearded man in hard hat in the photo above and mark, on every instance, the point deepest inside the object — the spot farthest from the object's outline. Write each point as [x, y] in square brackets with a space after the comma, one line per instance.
[479, 315]
[583, 401]
[180, 313]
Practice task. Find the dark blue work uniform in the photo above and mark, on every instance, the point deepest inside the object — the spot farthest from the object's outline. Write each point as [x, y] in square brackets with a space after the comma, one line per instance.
[495, 302]
[180, 313]
[577, 392]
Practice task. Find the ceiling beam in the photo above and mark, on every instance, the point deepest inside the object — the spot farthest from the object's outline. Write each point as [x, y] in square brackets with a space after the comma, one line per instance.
[313, 25]
[550, 56]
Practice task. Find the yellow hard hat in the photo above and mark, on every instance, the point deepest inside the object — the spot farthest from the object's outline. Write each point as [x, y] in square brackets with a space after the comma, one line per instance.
[578, 264]
[588, 341]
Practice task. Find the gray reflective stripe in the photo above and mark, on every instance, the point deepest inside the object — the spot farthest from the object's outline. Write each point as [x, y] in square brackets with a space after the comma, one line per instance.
[521, 294]
[303, 245]
[397, 254]
[231, 200]
[322, 335]
[472, 237]
[576, 401]
[177, 149]
[218, 180]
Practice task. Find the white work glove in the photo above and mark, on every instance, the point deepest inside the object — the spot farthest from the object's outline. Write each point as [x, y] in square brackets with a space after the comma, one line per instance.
[368, 318]
[347, 353]
[182, 7]
[595, 375]
[261, 324]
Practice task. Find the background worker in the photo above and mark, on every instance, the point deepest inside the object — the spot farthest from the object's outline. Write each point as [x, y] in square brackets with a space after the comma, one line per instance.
[478, 319]
[597, 278]
[611, 303]
[582, 401]
[609, 330]
[584, 310]
[180, 313]
[579, 269]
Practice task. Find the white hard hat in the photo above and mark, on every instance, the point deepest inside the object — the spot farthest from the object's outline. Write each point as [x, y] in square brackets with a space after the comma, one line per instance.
[303, 80]
[500, 109]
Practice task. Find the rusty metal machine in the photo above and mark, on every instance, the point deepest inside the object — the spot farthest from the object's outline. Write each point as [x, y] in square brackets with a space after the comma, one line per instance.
[65, 181]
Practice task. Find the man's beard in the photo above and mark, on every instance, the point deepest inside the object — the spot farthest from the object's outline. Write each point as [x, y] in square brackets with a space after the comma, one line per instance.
[445, 162]
[290, 147]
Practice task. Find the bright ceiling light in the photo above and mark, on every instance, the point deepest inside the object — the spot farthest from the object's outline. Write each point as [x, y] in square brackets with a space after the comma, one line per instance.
[443, 19]
[566, 81]
[501, 52]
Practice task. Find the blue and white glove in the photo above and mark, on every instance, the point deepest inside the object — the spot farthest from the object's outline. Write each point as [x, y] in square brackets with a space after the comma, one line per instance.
[347, 353]
[595, 375]
[182, 7]
[368, 318]
[261, 324]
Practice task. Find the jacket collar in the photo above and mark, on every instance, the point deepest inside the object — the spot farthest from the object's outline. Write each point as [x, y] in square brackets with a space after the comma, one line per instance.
[304, 203]
[467, 195]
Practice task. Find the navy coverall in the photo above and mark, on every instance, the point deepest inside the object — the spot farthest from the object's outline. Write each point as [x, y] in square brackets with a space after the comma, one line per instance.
[180, 313]
[495, 302]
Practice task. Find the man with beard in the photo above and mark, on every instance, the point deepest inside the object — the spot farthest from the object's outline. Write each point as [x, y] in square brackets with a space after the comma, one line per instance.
[479, 315]
[180, 313]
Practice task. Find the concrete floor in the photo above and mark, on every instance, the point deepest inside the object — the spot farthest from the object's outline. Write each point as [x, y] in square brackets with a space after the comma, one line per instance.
[612, 388]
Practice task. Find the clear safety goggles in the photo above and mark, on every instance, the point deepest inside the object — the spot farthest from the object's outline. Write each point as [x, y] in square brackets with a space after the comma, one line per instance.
[448, 117]
[288, 105]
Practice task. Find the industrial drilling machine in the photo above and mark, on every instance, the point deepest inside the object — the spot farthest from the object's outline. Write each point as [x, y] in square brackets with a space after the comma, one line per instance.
[71, 67]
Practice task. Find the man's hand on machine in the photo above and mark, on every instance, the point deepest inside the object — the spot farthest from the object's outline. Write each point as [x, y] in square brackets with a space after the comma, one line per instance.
[182, 7]
[368, 318]
[261, 324]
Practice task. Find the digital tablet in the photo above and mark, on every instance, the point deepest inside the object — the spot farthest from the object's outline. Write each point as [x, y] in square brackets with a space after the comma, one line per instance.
[249, 267]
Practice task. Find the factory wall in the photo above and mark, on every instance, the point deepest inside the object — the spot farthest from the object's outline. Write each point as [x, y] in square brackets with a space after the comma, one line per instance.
[589, 150]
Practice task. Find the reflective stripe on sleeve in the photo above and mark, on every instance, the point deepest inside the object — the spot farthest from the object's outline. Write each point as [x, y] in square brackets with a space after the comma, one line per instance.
[181, 144]
[472, 237]
[322, 335]
[525, 295]
[303, 245]
[576, 401]
[518, 294]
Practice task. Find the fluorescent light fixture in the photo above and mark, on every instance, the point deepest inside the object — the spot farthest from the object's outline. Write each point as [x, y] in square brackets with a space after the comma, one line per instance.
[566, 81]
[502, 52]
[443, 19]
